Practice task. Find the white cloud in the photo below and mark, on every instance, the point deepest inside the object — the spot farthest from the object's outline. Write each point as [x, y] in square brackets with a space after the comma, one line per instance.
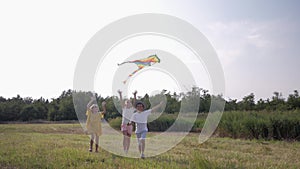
[256, 56]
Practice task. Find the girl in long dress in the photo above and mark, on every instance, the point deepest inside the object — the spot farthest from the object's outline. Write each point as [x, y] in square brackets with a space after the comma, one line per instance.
[93, 122]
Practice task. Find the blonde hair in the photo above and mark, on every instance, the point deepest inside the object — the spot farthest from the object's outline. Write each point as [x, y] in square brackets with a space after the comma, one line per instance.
[93, 105]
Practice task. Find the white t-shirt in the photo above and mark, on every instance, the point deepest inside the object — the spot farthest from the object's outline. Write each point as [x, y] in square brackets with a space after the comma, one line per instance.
[141, 120]
[127, 114]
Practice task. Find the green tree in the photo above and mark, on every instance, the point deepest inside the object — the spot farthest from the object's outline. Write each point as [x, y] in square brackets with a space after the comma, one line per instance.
[66, 109]
[277, 102]
[261, 105]
[173, 105]
[53, 114]
[247, 103]
[293, 101]
[191, 100]
[231, 105]
[205, 101]
[28, 113]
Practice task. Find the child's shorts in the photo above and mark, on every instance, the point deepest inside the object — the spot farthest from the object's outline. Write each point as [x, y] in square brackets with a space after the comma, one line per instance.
[141, 135]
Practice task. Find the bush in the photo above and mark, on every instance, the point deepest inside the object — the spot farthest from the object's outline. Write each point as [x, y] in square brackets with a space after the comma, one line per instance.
[236, 124]
[286, 126]
[257, 126]
[116, 123]
[162, 123]
[231, 124]
[261, 125]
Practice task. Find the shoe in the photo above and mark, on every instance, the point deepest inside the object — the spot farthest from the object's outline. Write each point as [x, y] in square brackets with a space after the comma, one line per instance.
[142, 156]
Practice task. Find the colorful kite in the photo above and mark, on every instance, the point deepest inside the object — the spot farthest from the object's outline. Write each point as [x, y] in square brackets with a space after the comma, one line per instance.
[149, 61]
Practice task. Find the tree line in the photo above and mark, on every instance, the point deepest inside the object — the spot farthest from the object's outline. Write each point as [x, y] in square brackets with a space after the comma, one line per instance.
[62, 108]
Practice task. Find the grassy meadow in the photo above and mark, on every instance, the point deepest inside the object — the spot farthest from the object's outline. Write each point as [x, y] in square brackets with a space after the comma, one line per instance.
[66, 146]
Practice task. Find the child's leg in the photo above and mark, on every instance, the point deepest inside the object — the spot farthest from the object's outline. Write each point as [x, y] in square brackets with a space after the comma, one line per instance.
[96, 139]
[124, 140]
[91, 142]
[143, 143]
[128, 135]
[124, 131]
[92, 136]
[128, 140]
[97, 142]
[138, 136]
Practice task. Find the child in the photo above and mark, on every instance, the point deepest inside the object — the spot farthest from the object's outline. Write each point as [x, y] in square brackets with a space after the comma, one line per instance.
[93, 122]
[126, 128]
[140, 119]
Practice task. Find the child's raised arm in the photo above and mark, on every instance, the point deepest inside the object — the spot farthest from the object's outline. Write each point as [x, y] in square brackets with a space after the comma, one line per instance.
[121, 99]
[90, 102]
[104, 107]
[134, 98]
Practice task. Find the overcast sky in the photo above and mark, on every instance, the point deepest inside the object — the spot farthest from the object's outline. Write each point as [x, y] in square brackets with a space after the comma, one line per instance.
[257, 41]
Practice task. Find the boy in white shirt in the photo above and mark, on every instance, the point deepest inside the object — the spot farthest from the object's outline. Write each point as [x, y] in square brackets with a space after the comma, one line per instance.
[140, 118]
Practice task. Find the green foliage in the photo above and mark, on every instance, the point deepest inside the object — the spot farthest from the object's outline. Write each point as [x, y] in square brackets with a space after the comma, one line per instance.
[261, 125]
[191, 100]
[66, 109]
[247, 103]
[173, 103]
[116, 123]
[231, 124]
[10, 109]
[274, 118]
[112, 109]
[53, 113]
[286, 125]
[293, 101]
[28, 113]
[257, 126]
[164, 122]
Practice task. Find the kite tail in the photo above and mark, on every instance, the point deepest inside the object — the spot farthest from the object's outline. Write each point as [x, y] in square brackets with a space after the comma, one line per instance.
[119, 64]
[131, 75]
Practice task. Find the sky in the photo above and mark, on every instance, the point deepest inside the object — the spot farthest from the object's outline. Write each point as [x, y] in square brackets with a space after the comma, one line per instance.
[257, 42]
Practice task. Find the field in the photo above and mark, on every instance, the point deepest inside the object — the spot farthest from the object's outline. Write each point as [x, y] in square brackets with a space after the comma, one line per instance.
[66, 145]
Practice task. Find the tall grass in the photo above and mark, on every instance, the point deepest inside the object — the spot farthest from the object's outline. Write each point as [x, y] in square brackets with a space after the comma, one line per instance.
[261, 125]
[237, 124]
[165, 121]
